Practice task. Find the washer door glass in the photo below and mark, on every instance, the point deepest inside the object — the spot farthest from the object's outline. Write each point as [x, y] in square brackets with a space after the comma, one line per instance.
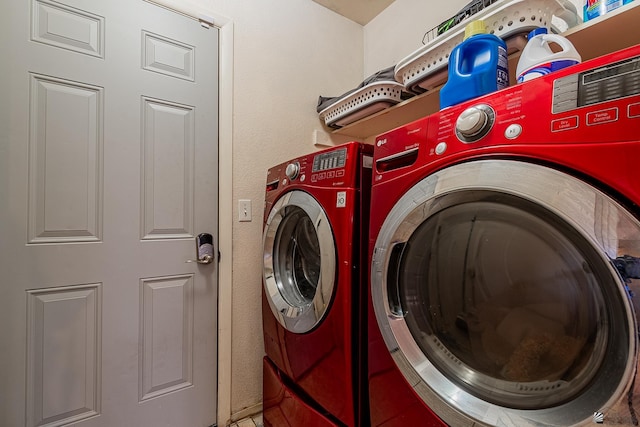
[299, 261]
[504, 294]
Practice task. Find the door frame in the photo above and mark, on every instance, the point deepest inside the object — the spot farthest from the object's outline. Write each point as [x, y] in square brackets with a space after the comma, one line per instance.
[225, 192]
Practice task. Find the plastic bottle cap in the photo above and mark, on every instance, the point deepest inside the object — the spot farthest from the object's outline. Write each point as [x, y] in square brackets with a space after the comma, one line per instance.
[539, 30]
[474, 27]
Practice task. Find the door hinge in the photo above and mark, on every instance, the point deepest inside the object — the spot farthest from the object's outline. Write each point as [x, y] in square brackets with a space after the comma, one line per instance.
[205, 24]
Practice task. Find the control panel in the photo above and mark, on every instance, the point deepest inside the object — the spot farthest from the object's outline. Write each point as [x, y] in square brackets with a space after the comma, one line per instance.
[320, 168]
[607, 83]
[594, 102]
[331, 160]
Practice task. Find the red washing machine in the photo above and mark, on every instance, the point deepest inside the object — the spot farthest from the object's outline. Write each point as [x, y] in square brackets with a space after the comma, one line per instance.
[504, 245]
[314, 294]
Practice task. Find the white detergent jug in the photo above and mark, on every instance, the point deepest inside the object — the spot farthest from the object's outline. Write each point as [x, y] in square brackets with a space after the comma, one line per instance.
[538, 59]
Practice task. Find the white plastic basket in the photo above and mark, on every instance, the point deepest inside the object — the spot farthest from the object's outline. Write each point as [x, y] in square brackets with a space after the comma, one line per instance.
[363, 102]
[426, 68]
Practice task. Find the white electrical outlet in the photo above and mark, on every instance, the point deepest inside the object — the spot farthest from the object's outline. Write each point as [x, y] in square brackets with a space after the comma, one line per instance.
[244, 210]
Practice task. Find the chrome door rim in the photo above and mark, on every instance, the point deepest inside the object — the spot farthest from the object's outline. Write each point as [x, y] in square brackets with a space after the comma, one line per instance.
[539, 184]
[299, 317]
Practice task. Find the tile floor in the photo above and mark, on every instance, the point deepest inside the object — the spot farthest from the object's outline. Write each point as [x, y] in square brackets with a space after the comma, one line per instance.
[252, 421]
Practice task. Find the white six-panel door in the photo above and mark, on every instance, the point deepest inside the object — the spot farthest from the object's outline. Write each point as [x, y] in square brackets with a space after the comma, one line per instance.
[108, 170]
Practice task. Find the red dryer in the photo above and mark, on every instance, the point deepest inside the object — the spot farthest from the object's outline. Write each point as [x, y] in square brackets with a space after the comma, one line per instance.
[504, 254]
[314, 288]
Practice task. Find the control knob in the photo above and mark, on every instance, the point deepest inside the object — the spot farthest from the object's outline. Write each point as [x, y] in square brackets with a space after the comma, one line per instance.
[292, 170]
[475, 122]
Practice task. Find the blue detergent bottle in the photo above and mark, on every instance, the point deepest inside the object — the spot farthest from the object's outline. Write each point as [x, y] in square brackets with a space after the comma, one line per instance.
[477, 66]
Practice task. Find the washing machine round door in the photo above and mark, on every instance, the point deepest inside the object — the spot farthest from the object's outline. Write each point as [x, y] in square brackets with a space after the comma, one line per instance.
[502, 292]
[299, 261]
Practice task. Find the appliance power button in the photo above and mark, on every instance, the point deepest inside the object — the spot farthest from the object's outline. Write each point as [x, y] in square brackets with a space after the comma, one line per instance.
[513, 131]
[441, 147]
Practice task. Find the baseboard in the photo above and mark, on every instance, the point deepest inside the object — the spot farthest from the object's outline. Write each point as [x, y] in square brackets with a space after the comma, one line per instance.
[246, 412]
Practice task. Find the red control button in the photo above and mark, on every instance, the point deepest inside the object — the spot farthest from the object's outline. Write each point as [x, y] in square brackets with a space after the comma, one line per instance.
[564, 124]
[602, 116]
[634, 110]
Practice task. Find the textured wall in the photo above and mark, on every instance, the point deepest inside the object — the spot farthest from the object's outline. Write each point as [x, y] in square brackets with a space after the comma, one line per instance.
[286, 53]
[398, 30]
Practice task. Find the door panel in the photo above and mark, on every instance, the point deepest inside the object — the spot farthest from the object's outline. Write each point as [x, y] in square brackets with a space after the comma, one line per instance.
[299, 262]
[167, 341]
[167, 169]
[505, 304]
[63, 354]
[65, 161]
[109, 170]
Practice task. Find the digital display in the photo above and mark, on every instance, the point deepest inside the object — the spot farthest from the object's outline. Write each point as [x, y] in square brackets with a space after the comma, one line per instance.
[614, 81]
[618, 69]
[332, 160]
[611, 82]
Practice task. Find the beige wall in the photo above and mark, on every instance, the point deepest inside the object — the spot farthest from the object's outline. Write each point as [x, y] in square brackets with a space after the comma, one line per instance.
[398, 30]
[285, 54]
